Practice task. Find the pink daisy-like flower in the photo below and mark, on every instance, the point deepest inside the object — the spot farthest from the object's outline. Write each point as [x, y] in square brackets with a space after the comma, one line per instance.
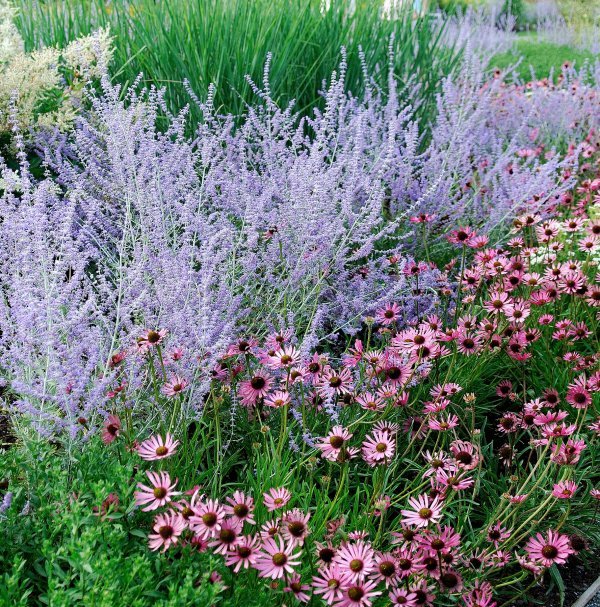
[159, 494]
[401, 597]
[497, 534]
[276, 559]
[111, 429]
[294, 526]
[286, 357]
[450, 581]
[175, 386]
[244, 554]
[578, 397]
[355, 560]
[255, 388]
[207, 521]
[226, 539]
[358, 594]
[328, 583]
[331, 446]
[564, 490]
[388, 315]
[386, 569]
[271, 528]
[548, 550]
[379, 447]
[276, 498]
[333, 382]
[424, 511]
[465, 453]
[278, 399]
[240, 506]
[156, 448]
[167, 529]
[150, 338]
[297, 588]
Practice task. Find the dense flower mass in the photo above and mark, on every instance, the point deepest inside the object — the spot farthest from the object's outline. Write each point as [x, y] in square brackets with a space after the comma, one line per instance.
[341, 359]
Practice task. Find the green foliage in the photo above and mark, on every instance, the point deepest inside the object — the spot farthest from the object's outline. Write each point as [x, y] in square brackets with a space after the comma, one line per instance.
[216, 41]
[540, 57]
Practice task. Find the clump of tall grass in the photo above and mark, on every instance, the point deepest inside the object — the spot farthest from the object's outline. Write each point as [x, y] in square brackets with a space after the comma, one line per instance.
[221, 41]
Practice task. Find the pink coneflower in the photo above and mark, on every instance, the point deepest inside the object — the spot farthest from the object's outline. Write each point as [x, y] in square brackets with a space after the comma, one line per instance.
[278, 399]
[294, 526]
[332, 382]
[269, 529]
[564, 490]
[285, 358]
[243, 346]
[450, 580]
[258, 386]
[378, 447]
[568, 454]
[275, 341]
[466, 454]
[355, 560]
[276, 498]
[424, 511]
[480, 596]
[207, 521]
[550, 549]
[402, 597]
[453, 480]
[461, 236]
[508, 423]
[358, 594]
[226, 539]
[578, 397]
[111, 429]
[468, 344]
[156, 448]
[175, 386]
[424, 592]
[386, 569]
[276, 559]
[328, 583]
[331, 446]
[497, 534]
[240, 506]
[244, 554]
[159, 494]
[442, 540]
[388, 315]
[167, 527]
[443, 424]
[150, 338]
[370, 401]
[298, 589]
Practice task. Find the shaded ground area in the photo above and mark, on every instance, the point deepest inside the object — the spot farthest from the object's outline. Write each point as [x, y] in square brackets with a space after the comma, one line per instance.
[577, 576]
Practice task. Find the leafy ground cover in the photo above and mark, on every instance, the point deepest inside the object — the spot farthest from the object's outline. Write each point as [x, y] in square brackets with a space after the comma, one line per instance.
[540, 58]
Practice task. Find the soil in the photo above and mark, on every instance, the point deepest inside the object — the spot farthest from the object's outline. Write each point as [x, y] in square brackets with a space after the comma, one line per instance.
[578, 575]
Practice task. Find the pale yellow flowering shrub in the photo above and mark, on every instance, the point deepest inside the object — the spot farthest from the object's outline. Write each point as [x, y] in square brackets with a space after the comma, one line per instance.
[44, 88]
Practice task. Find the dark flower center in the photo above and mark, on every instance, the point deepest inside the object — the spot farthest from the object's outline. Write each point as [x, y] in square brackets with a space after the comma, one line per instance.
[387, 568]
[153, 337]
[258, 382]
[335, 381]
[326, 555]
[356, 565]
[227, 536]
[159, 492]
[549, 551]
[209, 519]
[464, 458]
[449, 580]
[166, 531]
[162, 450]
[381, 447]
[355, 593]
[336, 442]
[394, 373]
[425, 513]
[241, 510]
[244, 552]
[279, 559]
[437, 543]
[296, 528]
